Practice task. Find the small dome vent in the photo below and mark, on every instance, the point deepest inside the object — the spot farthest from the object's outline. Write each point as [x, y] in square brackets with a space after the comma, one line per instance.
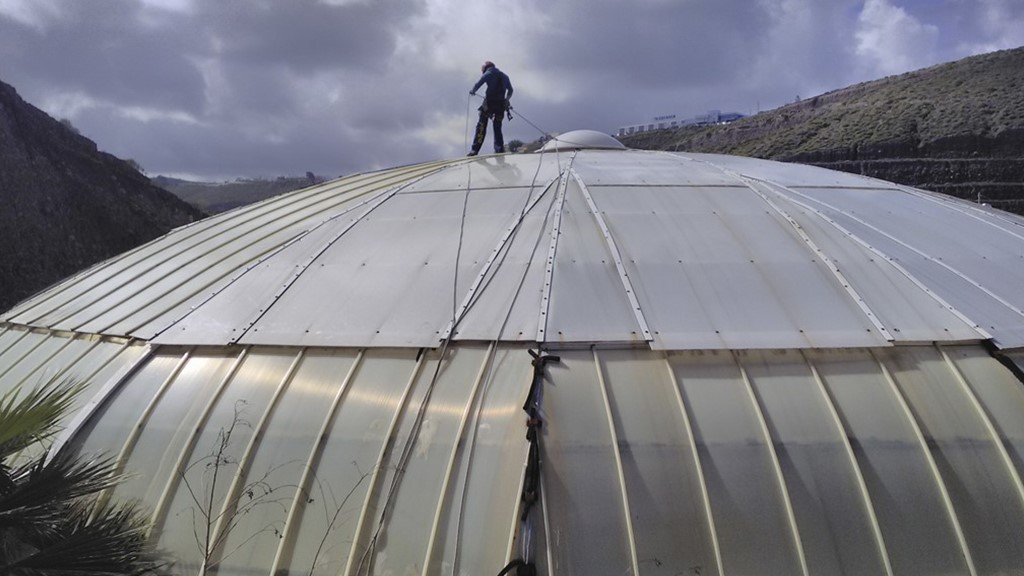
[580, 139]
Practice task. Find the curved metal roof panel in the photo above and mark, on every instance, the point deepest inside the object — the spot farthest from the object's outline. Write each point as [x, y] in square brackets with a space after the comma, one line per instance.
[678, 251]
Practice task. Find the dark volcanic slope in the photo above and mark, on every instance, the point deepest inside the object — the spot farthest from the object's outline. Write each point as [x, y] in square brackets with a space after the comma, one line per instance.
[956, 128]
[64, 205]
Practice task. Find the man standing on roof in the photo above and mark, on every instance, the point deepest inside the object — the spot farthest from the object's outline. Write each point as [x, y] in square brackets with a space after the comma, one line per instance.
[499, 90]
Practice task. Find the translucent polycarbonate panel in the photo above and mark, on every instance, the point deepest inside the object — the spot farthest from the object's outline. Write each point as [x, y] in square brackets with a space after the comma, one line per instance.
[480, 507]
[76, 361]
[507, 303]
[91, 362]
[8, 338]
[104, 434]
[1001, 396]
[401, 545]
[991, 257]
[490, 172]
[87, 296]
[61, 365]
[279, 462]
[717, 267]
[33, 361]
[985, 496]
[906, 310]
[198, 492]
[363, 291]
[325, 528]
[202, 253]
[980, 278]
[588, 300]
[644, 168]
[69, 350]
[754, 532]
[100, 364]
[585, 510]
[233, 307]
[177, 283]
[663, 483]
[152, 460]
[49, 306]
[13, 360]
[831, 513]
[786, 173]
[915, 524]
[37, 365]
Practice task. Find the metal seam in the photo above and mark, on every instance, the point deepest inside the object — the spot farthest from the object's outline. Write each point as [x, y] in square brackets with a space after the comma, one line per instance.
[954, 271]
[987, 421]
[160, 509]
[314, 456]
[351, 563]
[613, 248]
[833, 268]
[705, 494]
[947, 501]
[549, 272]
[620, 470]
[869, 506]
[472, 292]
[245, 461]
[770, 443]
[458, 440]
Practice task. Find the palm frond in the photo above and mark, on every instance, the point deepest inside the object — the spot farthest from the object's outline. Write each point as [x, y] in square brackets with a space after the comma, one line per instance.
[41, 491]
[104, 542]
[52, 521]
[28, 418]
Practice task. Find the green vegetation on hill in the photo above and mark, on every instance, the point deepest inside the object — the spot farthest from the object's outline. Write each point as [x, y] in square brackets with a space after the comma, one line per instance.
[956, 127]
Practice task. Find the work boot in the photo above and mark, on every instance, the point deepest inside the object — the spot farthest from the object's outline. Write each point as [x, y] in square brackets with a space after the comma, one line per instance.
[472, 153]
[499, 150]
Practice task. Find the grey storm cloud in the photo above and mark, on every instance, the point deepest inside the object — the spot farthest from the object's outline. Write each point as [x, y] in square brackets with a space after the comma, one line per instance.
[98, 47]
[649, 44]
[304, 35]
[232, 88]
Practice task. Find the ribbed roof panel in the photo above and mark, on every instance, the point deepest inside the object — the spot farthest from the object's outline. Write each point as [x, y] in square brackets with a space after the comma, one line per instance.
[678, 251]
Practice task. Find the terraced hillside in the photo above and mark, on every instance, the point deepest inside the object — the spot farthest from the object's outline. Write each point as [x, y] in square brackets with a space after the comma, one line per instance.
[956, 128]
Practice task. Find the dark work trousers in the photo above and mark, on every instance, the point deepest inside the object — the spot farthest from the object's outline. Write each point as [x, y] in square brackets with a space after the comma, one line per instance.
[496, 113]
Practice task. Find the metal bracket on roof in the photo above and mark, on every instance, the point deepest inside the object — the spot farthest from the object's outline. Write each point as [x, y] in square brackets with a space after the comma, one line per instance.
[627, 284]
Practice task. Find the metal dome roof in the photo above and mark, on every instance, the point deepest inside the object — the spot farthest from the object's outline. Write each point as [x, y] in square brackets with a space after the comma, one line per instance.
[678, 251]
[763, 368]
[582, 139]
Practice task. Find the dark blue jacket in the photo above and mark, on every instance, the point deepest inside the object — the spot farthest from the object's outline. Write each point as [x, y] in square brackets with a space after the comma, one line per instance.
[499, 87]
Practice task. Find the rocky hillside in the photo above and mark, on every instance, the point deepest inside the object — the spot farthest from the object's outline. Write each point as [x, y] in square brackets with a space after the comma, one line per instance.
[64, 205]
[956, 128]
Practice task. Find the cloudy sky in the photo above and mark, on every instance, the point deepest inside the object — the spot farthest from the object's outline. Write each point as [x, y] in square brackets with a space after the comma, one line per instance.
[217, 89]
